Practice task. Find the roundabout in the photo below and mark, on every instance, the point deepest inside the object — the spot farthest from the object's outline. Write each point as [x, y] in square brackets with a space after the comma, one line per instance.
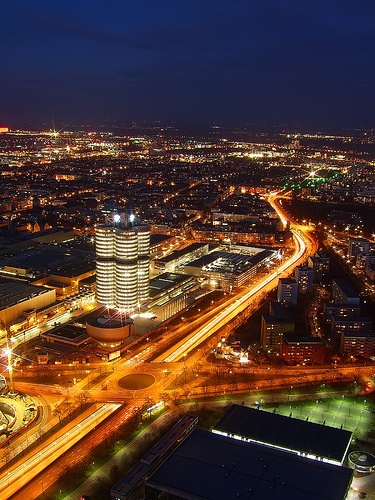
[136, 381]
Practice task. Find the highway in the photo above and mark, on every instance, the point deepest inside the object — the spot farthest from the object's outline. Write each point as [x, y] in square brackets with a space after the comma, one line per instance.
[304, 245]
[34, 463]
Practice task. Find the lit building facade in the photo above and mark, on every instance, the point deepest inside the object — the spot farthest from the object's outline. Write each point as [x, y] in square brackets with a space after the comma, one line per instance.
[303, 350]
[304, 276]
[357, 246]
[320, 264]
[287, 291]
[273, 328]
[358, 344]
[122, 263]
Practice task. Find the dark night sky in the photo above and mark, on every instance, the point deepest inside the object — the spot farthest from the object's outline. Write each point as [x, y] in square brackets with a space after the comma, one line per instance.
[297, 64]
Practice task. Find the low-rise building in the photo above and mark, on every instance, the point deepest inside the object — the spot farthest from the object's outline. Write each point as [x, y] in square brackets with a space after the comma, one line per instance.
[230, 270]
[358, 344]
[303, 350]
[273, 328]
[176, 259]
[16, 298]
[340, 310]
[349, 325]
[169, 294]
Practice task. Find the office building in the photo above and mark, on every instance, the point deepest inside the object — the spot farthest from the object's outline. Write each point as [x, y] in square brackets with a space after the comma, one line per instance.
[122, 262]
[319, 263]
[343, 293]
[331, 310]
[358, 344]
[287, 291]
[273, 327]
[304, 276]
[349, 325]
[357, 246]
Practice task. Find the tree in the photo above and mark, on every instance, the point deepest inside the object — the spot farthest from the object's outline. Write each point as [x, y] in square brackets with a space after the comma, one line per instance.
[115, 473]
[165, 397]
[175, 396]
[83, 398]
[58, 412]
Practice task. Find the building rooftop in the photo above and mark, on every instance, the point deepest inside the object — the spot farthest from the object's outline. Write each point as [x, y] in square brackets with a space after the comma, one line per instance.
[287, 281]
[230, 262]
[156, 239]
[76, 268]
[292, 339]
[277, 310]
[288, 433]
[67, 335]
[166, 281]
[358, 335]
[346, 288]
[208, 466]
[36, 259]
[12, 292]
[176, 254]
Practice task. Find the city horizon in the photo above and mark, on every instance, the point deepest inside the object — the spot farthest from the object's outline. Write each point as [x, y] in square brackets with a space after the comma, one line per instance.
[194, 128]
[294, 65]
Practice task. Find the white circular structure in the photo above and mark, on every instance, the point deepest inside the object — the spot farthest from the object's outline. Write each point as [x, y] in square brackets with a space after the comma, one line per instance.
[362, 461]
[109, 327]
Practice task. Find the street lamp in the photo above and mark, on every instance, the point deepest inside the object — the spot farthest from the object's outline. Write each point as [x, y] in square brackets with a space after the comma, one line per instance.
[185, 367]
[8, 352]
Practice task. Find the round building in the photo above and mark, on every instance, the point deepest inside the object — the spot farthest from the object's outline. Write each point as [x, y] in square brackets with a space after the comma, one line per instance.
[109, 327]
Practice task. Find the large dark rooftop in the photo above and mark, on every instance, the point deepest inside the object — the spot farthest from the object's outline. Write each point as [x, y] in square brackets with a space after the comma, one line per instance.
[208, 466]
[284, 432]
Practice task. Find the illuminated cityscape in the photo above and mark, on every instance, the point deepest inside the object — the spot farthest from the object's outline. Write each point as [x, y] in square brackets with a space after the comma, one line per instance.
[187, 250]
[224, 287]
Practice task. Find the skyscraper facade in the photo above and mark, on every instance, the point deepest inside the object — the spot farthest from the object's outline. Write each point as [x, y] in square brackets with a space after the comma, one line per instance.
[122, 262]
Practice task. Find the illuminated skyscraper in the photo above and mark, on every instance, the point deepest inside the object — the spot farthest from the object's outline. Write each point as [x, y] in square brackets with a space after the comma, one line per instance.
[122, 262]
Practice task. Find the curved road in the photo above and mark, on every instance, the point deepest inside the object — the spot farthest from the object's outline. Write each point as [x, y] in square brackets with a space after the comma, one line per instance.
[305, 245]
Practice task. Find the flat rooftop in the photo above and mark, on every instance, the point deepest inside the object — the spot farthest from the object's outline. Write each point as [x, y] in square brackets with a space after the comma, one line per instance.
[67, 334]
[209, 466]
[346, 288]
[165, 281]
[292, 434]
[76, 268]
[229, 262]
[36, 259]
[292, 339]
[12, 292]
[176, 254]
[156, 239]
